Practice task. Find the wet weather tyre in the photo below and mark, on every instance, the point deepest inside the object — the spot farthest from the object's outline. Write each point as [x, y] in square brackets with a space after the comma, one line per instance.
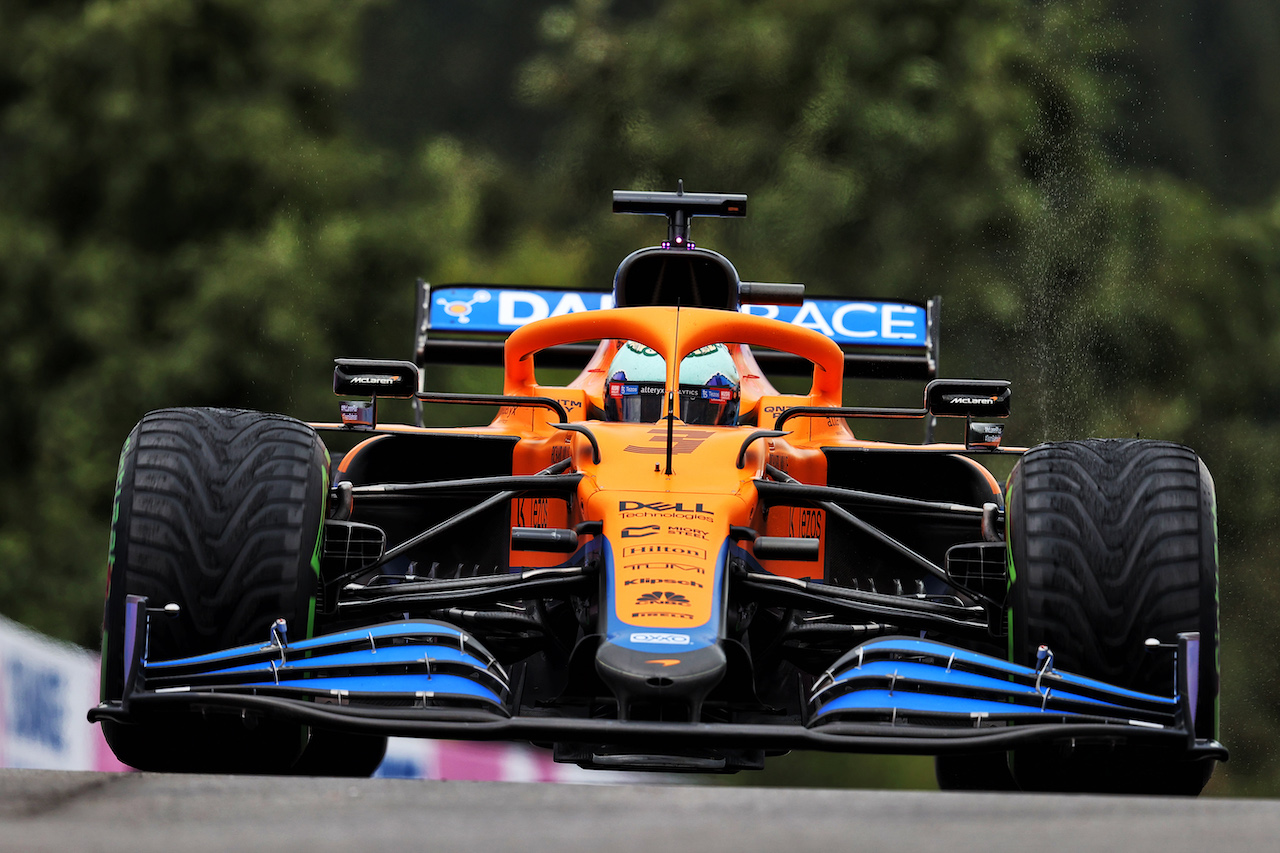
[981, 771]
[347, 754]
[1113, 542]
[218, 511]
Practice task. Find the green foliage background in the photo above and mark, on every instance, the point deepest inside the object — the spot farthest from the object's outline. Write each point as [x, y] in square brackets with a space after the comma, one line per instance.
[203, 201]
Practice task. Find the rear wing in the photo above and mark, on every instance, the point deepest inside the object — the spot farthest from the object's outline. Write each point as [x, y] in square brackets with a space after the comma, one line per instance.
[881, 339]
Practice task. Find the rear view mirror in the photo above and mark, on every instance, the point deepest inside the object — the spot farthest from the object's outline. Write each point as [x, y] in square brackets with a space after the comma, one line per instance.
[968, 398]
[770, 293]
[368, 377]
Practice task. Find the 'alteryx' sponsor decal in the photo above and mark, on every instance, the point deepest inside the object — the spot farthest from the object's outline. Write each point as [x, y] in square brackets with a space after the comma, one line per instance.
[864, 322]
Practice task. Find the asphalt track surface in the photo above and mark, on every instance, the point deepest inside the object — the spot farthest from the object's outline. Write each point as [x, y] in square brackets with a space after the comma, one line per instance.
[44, 810]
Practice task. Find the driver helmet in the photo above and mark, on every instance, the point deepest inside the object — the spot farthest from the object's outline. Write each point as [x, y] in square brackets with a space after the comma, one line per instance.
[709, 383]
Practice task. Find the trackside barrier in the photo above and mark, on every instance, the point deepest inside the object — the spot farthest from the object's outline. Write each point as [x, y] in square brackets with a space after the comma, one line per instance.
[484, 761]
[46, 686]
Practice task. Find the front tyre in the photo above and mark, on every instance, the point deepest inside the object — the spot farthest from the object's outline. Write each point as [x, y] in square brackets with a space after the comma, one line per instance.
[334, 753]
[219, 511]
[979, 771]
[1112, 542]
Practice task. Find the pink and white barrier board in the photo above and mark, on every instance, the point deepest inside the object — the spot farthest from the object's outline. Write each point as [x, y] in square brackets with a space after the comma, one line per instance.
[484, 761]
[46, 688]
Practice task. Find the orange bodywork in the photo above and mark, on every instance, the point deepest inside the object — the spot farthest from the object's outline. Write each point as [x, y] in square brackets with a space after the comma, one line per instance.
[630, 480]
[630, 489]
[666, 511]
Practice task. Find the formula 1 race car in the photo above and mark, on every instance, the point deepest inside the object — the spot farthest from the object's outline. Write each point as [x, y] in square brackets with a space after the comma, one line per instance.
[665, 563]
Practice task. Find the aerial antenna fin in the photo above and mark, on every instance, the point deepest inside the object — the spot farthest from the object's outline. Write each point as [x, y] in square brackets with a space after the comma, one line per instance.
[673, 394]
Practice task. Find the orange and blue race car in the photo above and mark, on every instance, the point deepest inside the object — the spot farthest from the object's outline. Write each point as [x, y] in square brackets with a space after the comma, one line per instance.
[665, 563]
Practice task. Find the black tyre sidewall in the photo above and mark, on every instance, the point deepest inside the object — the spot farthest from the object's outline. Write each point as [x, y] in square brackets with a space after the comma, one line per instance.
[112, 661]
[979, 771]
[335, 753]
[1208, 719]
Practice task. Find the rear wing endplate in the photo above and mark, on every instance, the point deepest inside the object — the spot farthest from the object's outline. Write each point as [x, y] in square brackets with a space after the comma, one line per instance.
[882, 339]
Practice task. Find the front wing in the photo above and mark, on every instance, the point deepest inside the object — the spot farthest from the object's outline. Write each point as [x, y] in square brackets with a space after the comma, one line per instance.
[425, 678]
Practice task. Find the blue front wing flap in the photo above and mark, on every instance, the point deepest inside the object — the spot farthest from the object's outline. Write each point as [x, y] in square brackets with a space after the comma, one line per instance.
[925, 680]
[423, 663]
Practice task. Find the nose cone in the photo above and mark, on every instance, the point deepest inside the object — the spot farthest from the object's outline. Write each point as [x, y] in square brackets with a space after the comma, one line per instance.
[676, 677]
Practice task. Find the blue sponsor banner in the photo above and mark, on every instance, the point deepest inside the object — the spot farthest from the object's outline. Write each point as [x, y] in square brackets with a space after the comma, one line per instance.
[863, 322]
[848, 323]
[480, 310]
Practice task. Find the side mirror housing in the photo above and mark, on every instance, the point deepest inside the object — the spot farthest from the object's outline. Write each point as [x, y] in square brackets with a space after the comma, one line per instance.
[968, 398]
[770, 293]
[370, 377]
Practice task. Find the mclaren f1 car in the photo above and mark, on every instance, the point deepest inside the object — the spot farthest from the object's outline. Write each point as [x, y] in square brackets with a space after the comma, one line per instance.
[666, 562]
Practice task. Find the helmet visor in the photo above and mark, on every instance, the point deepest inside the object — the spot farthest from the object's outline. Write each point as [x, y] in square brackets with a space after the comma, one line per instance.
[641, 403]
[708, 406]
[634, 402]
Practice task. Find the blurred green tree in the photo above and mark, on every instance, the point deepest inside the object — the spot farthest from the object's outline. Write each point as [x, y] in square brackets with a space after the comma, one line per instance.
[166, 170]
[186, 219]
